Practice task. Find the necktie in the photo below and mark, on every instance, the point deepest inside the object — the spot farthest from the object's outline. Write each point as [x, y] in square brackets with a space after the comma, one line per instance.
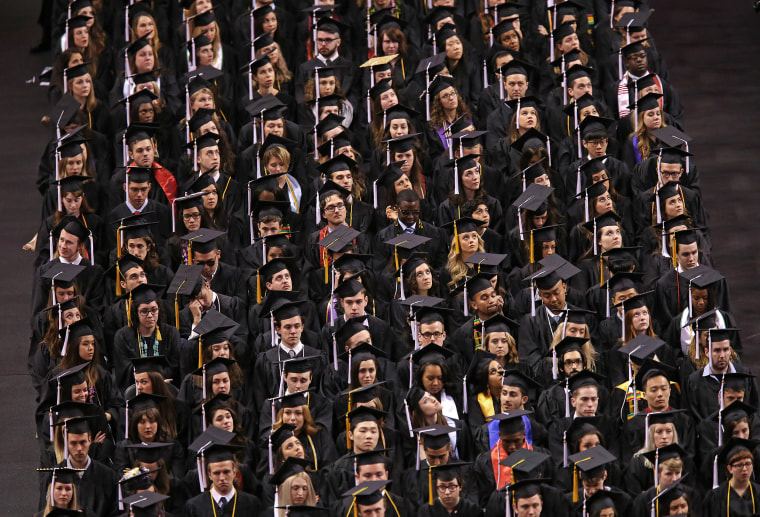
[222, 502]
[292, 354]
[409, 229]
[137, 212]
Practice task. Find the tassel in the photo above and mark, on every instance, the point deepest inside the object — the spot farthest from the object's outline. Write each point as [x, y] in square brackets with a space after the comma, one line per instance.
[720, 428]
[575, 483]
[578, 181]
[465, 407]
[408, 420]
[411, 370]
[335, 353]
[348, 422]
[533, 298]
[50, 421]
[50, 242]
[430, 487]
[65, 440]
[715, 472]
[199, 466]
[465, 300]
[418, 446]
[549, 150]
[520, 225]
[564, 449]
[65, 342]
[271, 454]
[567, 399]
[200, 357]
[258, 287]
[272, 334]
[456, 240]
[118, 278]
[176, 310]
[456, 179]
[555, 366]
[190, 253]
[126, 418]
[656, 467]
[120, 496]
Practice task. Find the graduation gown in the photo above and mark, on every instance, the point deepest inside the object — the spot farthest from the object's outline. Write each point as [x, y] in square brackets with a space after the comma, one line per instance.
[203, 505]
[126, 347]
[96, 490]
[702, 392]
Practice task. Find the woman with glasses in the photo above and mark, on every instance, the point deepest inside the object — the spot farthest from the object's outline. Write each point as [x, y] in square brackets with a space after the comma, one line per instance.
[146, 335]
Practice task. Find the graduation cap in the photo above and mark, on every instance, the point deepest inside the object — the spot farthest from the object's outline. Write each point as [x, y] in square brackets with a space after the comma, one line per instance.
[650, 368]
[701, 277]
[511, 422]
[201, 241]
[149, 452]
[74, 330]
[367, 493]
[554, 270]
[349, 287]
[213, 367]
[673, 138]
[521, 380]
[435, 436]
[591, 463]
[290, 467]
[144, 504]
[70, 377]
[280, 435]
[603, 499]
[639, 348]
[156, 363]
[214, 328]
[524, 461]
[663, 454]
[329, 24]
[76, 425]
[363, 394]
[380, 88]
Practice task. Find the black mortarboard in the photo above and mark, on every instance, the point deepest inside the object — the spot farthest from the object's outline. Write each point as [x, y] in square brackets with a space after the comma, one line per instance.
[156, 363]
[521, 380]
[77, 329]
[591, 462]
[651, 368]
[432, 65]
[649, 101]
[203, 240]
[671, 136]
[349, 287]
[144, 401]
[737, 410]
[217, 452]
[187, 281]
[440, 83]
[585, 378]
[209, 139]
[290, 467]
[281, 435]
[511, 422]
[430, 354]
[641, 347]
[63, 275]
[215, 328]
[148, 452]
[665, 453]
[435, 436]
[365, 414]
[209, 436]
[525, 461]
[594, 125]
[292, 400]
[144, 504]
[499, 323]
[215, 366]
[368, 492]
[77, 22]
[402, 144]
[701, 276]
[603, 499]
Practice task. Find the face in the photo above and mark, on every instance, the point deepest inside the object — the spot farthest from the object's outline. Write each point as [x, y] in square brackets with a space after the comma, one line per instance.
[657, 393]
[515, 85]
[373, 510]
[144, 26]
[147, 429]
[610, 237]
[670, 172]
[588, 441]
[87, 348]
[664, 434]
[374, 472]
[335, 210]
[367, 372]
[133, 277]
[429, 405]
[281, 281]
[449, 99]
[471, 178]
[431, 333]
[297, 381]
[326, 85]
[327, 43]
[343, 179]
[481, 213]
[673, 207]
[192, 219]
[220, 350]
[290, 330]
[448, 492]
[721, 355]
[274, 127]
[79, 448]
[603, 203]
[365, 436]
[81, 86]
[143, 383]
[572, 363]
[72, 203]
[512, 398]
[202, 100]
[498, 343]
[511, 40]
[63, 295]
[209, 261]
[205, 55]
[688, 255]
[668, 476]
[512, 442]
[454, 48]
[138, 247]
[653, 119]
[569, 43]
[62, 494]
[211, 200]
[398, 127]
[408, 158]
[81, 37]
[148, 314]
[390, 47]
[354, 306]
[485, 302]
[679, 506]
[700, 299]
[299, 490]
[144, 59]
[269, 23]
[142, 153]
[70, 316]
[585, 401]
[208, 158]
[432, 379]
[80, 392]
[528, 118]
[74, 165]
[640, 319]
[637, 62]
[575, 329]
[292, 448]
[580, 87]
[138, 193]
[293, 416]
[223, 420]
[363, 336]
[741, 430]
[222, 474]
[388, 99]
[554, 298]
[596, 147]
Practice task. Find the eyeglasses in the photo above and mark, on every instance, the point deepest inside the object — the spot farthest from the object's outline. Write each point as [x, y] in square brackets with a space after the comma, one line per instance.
[204, 262]
[743, 465]
[326, 40]
[447, 488]
[333, 208]
[573, 362]
[448, 96]
[674, 175]
[191, 217]
[596, 142]
[432, 335]
[145, 312]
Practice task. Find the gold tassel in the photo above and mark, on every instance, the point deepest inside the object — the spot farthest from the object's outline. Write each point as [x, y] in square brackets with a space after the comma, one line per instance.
[158, 334]
[327, 266]
[200, 358]
[348, 424]
[575, 483]
[129, 309]
[258, 287]
[118, 279]
[674, 258]
[532, 258]
[190, 254]
[456, 238]
[430, 486]
[176, 311]
[601, 271]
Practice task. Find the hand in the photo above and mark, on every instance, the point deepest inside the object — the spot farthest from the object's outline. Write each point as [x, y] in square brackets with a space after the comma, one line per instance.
[500, 302]
[195, 309]
[100, 437]
[542, 30]
[391, 213]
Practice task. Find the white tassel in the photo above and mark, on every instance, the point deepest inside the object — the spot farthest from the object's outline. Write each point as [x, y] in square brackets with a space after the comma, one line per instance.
[564, 449]
[408, 419]
[65, 342]
[374, 193]
[465, 408]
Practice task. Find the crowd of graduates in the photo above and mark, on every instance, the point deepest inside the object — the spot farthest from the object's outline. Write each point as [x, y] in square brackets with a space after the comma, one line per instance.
[378, 258]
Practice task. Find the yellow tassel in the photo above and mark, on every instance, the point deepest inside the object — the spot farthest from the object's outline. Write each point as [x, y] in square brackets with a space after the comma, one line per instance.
[348, 424]
[190, 255]
[395, 254]
[176, 311]
[158, 334]
[129, 309]
[327, 266]
[532, 258]
[674, 256]
[118, 242]
[575, 483]
[118, 280]
[430, 487]
[601, 271]
[200, 358]
[456, 238]
[258, 287]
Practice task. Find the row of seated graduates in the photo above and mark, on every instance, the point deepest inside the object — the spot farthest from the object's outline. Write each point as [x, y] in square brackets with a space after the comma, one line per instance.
[474, 104]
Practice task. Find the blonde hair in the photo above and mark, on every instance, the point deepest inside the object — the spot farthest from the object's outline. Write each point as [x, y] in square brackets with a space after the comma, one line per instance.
[49, 505]
[455, 264]
[285, 500]
[587, 349]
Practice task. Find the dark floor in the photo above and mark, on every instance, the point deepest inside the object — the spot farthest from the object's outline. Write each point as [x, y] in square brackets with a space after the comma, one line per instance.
[712, 56]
